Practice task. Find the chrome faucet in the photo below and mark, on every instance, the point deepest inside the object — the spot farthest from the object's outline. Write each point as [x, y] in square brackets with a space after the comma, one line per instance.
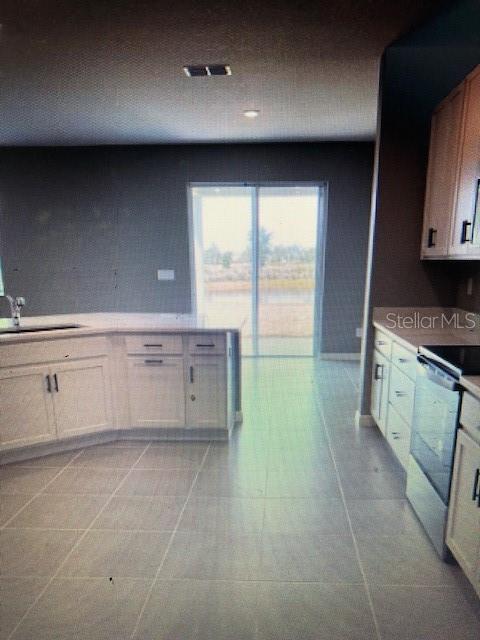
[16, 306]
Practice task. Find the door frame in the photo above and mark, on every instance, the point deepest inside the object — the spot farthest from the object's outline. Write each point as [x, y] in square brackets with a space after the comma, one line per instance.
[322, 217]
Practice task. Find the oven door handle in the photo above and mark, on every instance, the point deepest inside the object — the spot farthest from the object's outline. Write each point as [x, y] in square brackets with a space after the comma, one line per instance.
[429, 371]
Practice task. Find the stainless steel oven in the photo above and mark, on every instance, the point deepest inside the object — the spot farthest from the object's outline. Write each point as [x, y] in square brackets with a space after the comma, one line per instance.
[434, 430]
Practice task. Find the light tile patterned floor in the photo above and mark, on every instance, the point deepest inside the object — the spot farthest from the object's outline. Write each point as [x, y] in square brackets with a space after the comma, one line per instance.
[298, 529]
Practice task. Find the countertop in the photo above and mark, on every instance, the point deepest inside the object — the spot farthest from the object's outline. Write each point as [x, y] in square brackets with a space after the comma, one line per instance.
[451, 335]
[95, 323]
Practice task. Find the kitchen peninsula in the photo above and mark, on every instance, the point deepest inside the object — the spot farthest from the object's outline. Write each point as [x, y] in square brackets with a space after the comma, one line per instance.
[115, 376]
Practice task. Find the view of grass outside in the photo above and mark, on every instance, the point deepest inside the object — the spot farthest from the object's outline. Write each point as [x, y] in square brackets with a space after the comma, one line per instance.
[286, 276]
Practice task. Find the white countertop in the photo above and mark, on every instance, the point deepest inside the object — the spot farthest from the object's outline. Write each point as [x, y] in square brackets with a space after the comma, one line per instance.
[94, 323]
[417, 336]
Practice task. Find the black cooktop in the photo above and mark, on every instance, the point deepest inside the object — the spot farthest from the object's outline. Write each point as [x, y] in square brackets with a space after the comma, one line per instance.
[461, 360]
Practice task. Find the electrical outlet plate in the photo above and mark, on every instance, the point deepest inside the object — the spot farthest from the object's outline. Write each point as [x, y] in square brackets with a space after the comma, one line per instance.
[469, 286]
[165, 274]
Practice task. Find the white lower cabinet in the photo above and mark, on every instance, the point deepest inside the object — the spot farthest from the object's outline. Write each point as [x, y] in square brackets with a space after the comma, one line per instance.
[26, 408]
[380, 380]
[206, 397]
[398, 435]
[393, 391]
[57, 389]
[40, 403]
[463, 530]
[156, 392]
[81, 392]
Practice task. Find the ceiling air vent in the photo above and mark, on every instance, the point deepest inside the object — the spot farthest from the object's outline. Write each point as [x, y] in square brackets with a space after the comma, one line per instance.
[197, 70]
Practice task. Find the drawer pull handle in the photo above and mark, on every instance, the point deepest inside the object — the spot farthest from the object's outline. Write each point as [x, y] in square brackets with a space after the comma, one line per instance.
[153, 361]
[55, 379]
[432, 237]
[403, 360]
[378, 368]
[465, 237]
[395, 433]
[205, 345]
[476, 492]
[49, 384]
[191, 375]
[153, 345]
[396, 438]
[381, 343]
[400, 394]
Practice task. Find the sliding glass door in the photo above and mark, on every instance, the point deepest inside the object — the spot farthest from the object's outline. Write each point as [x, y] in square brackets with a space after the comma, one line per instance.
[257, 263]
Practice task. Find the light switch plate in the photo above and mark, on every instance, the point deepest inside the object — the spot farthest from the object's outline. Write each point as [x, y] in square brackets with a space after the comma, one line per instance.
[165, 274]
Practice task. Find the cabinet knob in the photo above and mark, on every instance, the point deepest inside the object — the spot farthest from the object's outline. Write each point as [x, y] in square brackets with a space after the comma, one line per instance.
[192, 397]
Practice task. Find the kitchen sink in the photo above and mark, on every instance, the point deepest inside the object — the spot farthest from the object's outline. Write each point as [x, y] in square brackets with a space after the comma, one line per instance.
[35, 328]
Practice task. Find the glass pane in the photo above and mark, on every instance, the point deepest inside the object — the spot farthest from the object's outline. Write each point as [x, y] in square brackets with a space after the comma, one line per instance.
[223, 223]
[287, 234]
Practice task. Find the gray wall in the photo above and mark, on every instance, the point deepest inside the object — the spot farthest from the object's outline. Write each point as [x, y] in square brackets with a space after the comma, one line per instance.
[417, 72]
[85, 229]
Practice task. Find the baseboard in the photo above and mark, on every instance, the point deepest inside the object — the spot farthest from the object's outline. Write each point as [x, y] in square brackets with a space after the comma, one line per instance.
[28, 452]
[339, 356]
[364, 420]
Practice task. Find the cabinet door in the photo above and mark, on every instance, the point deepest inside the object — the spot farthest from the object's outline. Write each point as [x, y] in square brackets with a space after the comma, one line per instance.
[156, 392]
[207, 392]
[463, 531]
[82, 396]
[380, 381]
[441, 178]
[464, 240]
[26, 409]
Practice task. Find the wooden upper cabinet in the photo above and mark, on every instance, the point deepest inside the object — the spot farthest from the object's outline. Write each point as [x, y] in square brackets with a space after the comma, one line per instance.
[449, 229]
[465, 239]
[442, 171]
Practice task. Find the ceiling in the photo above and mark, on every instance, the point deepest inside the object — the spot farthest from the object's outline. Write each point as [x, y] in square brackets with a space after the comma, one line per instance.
[110, 72]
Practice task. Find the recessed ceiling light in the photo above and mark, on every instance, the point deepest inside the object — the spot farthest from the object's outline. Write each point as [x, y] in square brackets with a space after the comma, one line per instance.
[251, 113]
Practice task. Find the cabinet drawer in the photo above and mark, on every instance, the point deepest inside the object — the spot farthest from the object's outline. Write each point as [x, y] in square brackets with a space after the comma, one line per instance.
[470, 415]
[405, 360]
[383, 343]
[154, 343]
[401, 394]
[398, 436]
[203, 344]
[56, 350]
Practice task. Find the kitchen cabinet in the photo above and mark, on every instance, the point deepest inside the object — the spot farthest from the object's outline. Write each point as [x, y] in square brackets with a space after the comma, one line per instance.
[116, 383]
[451, 226]
[393, 390]
[156, 391]
[442, 173]
[463, 529]
[206, 398]
[26, 415]
[380, 380]
[398, 435]
[43, 402]
[465, 240]
[81, 393]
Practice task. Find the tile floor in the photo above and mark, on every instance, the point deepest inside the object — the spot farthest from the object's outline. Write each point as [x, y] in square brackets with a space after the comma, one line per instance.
[298, 529]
